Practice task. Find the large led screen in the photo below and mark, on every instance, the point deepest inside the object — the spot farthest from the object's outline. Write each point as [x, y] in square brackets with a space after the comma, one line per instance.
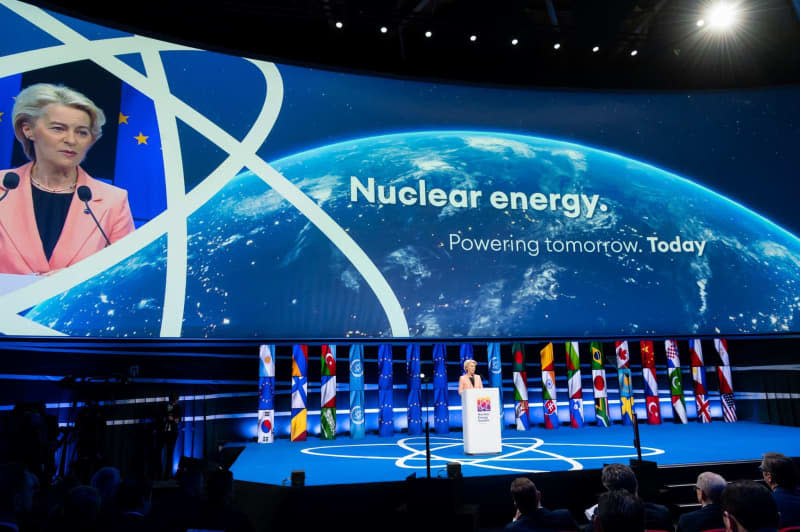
[278, 201]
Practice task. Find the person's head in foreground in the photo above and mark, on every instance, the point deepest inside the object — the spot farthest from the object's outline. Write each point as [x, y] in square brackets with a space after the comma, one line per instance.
[748, 506]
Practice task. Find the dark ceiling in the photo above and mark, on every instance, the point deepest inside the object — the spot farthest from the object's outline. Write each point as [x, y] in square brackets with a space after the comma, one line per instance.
[672, 51]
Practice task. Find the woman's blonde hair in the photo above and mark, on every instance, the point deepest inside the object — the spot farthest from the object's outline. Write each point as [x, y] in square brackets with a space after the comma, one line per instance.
[469, 362]
[31, 101]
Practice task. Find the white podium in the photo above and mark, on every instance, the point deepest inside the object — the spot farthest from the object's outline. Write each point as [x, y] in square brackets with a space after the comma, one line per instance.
[481, 410]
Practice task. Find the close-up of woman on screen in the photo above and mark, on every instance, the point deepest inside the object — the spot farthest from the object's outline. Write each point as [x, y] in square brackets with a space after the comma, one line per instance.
[47, 221]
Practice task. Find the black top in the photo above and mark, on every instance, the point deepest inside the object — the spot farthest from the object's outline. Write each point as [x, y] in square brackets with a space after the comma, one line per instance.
[50, 210]
[708, 517]
[544, 520]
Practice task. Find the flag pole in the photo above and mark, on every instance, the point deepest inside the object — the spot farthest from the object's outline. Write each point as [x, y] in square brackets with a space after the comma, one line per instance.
[426, 380]
[636, 441]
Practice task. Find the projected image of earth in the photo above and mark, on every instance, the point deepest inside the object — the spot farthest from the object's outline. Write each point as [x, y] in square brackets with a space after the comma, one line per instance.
[592, 244]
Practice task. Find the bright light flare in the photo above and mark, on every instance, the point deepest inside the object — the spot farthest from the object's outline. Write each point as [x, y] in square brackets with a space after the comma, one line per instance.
[722, 16]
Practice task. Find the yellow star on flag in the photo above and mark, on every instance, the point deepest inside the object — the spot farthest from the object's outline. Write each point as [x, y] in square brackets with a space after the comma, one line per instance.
[1, 116]
[123, 119]
[141, 139]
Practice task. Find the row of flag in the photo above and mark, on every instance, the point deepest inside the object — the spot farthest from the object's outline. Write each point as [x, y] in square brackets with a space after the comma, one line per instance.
[299, 391]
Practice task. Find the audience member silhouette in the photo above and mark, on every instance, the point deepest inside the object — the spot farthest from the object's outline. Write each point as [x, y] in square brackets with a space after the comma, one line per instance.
[748, 506]
[621, 477]
[780, 475]
[17, 487]
[619, 511]
[708, 489]
[81, 510]
[134, 499]
[531, 515]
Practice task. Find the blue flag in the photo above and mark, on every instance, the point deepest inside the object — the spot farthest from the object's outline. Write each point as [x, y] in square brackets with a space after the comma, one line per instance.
[9, 88]
[357, 419]
[495, 368]
[414, 398]
[441, 413]
[139, 168]
[385, 385]
[466, 354]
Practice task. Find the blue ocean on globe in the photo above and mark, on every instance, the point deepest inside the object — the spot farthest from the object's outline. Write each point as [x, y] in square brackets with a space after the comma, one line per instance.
[258, 268]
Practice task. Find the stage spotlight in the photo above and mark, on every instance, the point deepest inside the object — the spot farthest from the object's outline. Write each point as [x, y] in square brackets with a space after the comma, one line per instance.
[556, 46]
[514, 42]
[634, 53]
[428, 34]
[339, 25]
[596, 49]
[384, 29]
[722, 16]
[473, 38]
[701, 23]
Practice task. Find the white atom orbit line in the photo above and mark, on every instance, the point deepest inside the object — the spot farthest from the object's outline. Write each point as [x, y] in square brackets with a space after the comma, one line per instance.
[240, 154]
[177, 245]
[418, 454]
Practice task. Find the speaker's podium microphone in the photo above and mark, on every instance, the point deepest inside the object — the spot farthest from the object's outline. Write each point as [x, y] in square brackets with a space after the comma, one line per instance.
[10, 182]
[85, 195]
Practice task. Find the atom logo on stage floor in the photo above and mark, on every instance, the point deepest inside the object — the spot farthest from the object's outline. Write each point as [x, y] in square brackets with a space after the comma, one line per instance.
[520, 454]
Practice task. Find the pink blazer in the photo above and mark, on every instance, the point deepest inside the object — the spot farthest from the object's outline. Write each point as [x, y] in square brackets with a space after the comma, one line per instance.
[21, 249]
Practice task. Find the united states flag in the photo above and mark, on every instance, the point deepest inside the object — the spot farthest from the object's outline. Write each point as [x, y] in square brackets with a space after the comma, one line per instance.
[728, 407]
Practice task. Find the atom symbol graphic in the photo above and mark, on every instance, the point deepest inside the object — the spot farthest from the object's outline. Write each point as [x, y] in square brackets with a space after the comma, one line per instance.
[520, 454]
[155, 85]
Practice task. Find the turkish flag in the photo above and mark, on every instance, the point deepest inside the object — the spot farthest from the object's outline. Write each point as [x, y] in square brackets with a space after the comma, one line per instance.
[653, 411]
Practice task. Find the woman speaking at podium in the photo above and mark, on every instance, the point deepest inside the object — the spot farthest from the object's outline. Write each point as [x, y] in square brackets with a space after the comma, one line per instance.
[45, 223]
[469, 380]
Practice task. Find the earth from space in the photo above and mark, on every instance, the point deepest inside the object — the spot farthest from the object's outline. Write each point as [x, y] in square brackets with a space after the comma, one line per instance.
[701, 263]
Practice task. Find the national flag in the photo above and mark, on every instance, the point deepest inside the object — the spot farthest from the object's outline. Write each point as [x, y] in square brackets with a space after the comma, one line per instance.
[725, 381]
[721, 344]
[441, 411]
[357, 420]
[327, 391]
[495, 367]
[696, 353]
[549, 396]
[675, 382]
[699, 379]
[728, 407]
[624, 380]
[299, 392]
[465, 354]
[518, 367]
[414, 386]
[9, 88]
[139, 166]
[599, 384]
[266, 394]
[574, 385]
[385, 391]
[650, 382]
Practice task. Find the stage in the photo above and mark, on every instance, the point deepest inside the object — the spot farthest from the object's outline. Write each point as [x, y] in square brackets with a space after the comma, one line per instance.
[380, 459]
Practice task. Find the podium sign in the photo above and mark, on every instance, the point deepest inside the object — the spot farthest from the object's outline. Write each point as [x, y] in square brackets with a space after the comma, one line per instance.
[481, 410]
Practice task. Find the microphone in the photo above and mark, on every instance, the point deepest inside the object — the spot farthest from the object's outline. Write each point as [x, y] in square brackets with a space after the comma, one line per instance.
[85, 195]
[10, 182]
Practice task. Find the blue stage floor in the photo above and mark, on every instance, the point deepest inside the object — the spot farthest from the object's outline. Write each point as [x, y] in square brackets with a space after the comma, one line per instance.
[376, 459]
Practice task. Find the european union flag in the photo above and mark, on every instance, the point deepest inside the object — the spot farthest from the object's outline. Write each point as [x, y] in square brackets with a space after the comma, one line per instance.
[9, 88]
[441, 412]
[385, 387]
[139, 167]
[465, 354]
[414, 396]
